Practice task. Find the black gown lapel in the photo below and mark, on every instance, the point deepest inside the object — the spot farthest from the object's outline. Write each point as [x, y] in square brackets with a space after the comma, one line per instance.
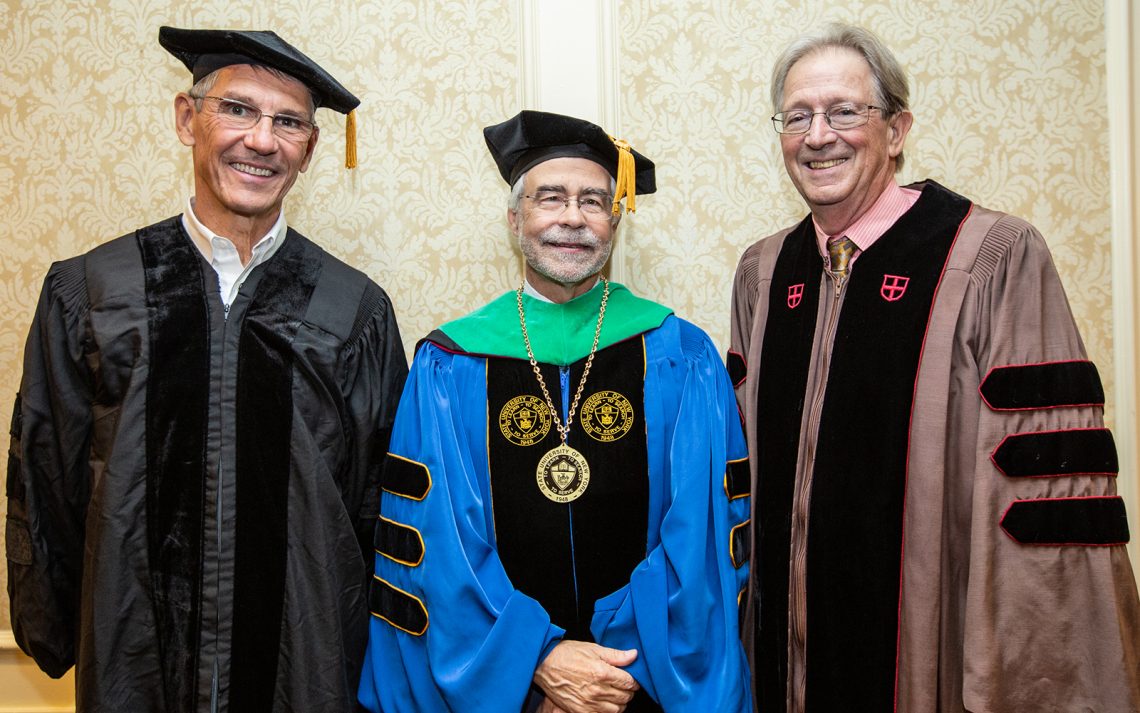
[177, 413]
[785, 359]
[855, 532]
[264, 423]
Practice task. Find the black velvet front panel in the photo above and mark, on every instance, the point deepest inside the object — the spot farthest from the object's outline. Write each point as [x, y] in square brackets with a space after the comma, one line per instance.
[264, 423]
[859, 480]
[566, 556]
[177, 413]
[784, 362]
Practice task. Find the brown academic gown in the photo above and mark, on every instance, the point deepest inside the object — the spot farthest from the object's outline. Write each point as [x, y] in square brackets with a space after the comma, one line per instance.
[936, 526]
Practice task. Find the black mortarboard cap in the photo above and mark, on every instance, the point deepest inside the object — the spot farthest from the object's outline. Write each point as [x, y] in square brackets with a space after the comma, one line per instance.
[204, 51]
[532, 137]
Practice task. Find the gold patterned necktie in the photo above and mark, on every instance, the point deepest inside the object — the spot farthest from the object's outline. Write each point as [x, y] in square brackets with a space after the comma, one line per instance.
[840, 250]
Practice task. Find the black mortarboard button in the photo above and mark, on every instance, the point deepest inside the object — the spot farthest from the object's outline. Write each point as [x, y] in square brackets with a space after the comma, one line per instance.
[532, 137]
[205, 51]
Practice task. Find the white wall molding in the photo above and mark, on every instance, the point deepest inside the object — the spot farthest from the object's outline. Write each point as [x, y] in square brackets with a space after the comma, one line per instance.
[569, 60]
[1121, 66]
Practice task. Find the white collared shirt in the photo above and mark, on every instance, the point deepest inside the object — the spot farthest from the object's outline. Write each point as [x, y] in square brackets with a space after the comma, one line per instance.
[222, 254]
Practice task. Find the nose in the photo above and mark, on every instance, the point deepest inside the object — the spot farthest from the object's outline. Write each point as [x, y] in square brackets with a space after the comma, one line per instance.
[260, 137]
[819, 132]
[572, 214]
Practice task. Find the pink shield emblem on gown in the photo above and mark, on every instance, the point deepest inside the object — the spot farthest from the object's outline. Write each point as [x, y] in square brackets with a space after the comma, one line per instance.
[795, 295]
[893, 287]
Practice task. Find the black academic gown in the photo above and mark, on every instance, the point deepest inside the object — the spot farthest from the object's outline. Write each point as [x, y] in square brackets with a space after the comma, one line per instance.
[188, 493]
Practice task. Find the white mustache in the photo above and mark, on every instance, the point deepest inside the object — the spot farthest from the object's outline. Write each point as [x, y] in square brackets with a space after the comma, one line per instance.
[572, 236]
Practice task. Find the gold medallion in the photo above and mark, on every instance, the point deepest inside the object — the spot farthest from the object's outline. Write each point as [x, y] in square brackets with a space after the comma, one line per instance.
[563, 474]
[524, 420]
[607, 416]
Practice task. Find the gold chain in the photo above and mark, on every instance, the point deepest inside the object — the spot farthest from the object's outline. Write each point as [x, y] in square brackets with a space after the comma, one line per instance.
[563, 431]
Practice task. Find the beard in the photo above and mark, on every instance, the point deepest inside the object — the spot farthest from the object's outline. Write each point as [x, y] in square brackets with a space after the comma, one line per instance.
[561, 268]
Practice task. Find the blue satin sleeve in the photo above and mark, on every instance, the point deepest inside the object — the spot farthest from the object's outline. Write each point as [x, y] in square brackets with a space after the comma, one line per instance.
[680, 608]
[483, 638]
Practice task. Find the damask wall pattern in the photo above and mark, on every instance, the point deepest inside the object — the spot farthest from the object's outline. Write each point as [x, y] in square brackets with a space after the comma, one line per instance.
[1010, 110]
[1008, 96]
[90, 152]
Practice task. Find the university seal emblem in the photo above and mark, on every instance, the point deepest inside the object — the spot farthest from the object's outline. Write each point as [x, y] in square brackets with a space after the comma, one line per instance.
[563, 474]
[524, 420]
[607, 416]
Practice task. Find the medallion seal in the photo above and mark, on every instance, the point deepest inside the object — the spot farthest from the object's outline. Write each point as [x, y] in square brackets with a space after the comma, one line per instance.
[607, 416]
[524, 420]
[563, 474]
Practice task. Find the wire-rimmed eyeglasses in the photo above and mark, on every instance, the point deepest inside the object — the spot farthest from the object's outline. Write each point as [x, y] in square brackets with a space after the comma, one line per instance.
[590, 203]
[239, 115]
[839, 117]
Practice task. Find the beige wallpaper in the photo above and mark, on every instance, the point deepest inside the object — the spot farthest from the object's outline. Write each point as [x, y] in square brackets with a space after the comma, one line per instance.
[1008, 95]
[86, 122]
[1010, 110]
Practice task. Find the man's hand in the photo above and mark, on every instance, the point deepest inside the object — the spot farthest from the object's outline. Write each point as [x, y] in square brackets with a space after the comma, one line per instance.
[580, 677]
[548, 707]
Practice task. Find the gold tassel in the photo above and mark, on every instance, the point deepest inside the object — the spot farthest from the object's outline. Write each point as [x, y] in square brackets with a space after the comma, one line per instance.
[350, 140]
[626, 177]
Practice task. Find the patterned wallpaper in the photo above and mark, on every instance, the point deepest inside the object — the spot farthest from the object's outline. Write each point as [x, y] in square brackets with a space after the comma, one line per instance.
[90, 152]
[1009, 104]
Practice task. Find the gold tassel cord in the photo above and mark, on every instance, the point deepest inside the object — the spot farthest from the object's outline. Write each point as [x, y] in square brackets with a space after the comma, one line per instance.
[350, 140]
[626, 177]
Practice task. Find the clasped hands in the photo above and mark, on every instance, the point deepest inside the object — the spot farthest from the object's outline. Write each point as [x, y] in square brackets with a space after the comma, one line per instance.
[581, 677]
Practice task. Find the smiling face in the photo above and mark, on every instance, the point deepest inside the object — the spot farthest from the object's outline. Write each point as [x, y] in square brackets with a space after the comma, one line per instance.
[565, 249]
[241, 176]
[839, 173]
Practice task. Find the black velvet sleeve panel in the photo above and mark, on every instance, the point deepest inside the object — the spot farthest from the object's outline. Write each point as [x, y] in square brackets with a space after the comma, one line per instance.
[1097, 520]
[1083, 451]
[397, 607]
[1041, 386]
[737, 368]
[737, 479]
[398, 542]
[406, 478]
[741, 545]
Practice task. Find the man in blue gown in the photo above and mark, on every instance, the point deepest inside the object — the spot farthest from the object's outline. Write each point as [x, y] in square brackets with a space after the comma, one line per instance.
[565, 512]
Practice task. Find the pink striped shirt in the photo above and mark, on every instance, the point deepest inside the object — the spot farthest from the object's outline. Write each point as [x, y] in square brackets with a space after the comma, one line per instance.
[869, 227]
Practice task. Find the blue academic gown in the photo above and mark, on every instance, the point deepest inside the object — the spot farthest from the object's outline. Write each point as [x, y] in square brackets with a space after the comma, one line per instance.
[474, 640]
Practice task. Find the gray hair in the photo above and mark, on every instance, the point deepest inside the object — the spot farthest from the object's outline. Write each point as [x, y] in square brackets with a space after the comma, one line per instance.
[891, 90]
[204, 85]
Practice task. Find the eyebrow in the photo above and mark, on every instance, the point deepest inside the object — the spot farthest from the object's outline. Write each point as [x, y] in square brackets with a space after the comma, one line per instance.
[245, 99]
[550, 188]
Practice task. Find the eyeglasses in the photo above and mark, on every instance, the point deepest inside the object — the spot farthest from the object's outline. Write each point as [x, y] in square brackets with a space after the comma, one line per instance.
[239, 115]
[839, 117]
[590, 204]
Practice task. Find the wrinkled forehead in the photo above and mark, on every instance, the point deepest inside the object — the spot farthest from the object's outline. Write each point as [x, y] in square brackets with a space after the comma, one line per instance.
[258, 84]
[829, 74]
[569, 172]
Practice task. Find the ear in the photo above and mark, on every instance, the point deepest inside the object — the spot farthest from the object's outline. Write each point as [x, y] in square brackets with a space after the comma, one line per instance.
[899, 127]
[513, 218]
[184, 112]
[310, 147]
